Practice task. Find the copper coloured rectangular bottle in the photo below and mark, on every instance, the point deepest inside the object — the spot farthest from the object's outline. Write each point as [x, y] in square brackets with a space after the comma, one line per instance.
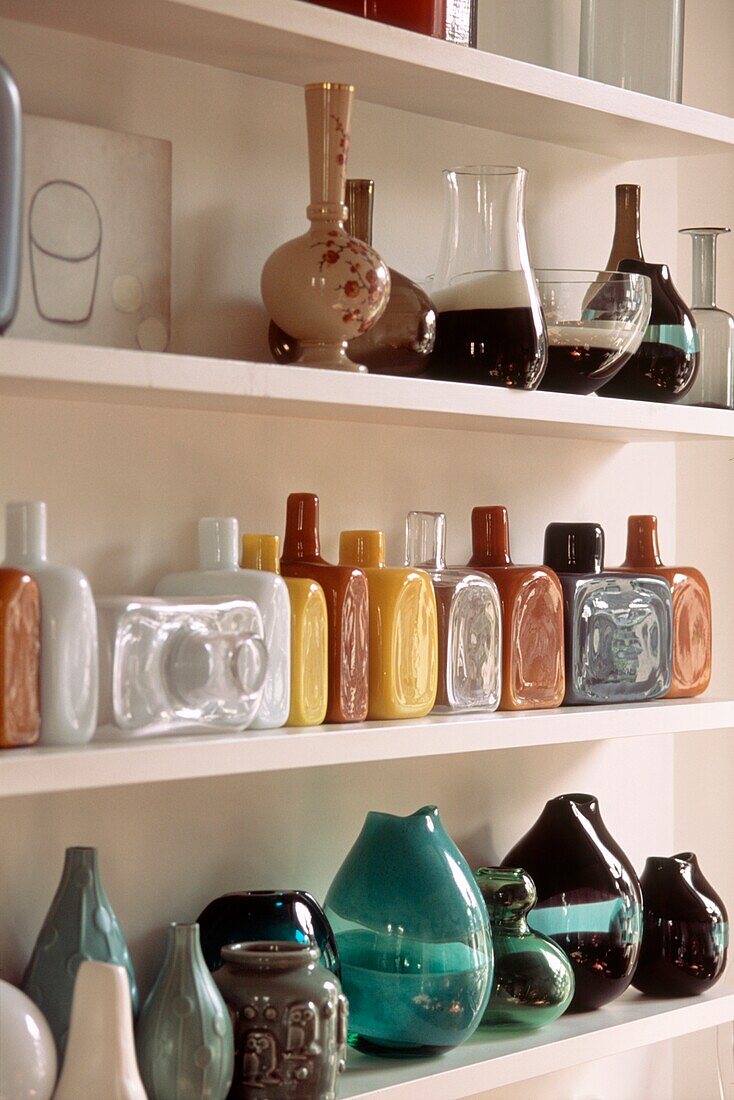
[347, 606]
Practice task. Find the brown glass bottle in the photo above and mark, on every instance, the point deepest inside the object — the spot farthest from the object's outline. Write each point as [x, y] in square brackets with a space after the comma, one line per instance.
[20, 626]
[691, 607]
[533, 673]
[401, 341]
[345, 589]
[626, 244]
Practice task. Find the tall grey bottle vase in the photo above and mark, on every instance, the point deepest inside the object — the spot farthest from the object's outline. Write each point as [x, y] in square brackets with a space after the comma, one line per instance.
[185, 1041]
[79, 926]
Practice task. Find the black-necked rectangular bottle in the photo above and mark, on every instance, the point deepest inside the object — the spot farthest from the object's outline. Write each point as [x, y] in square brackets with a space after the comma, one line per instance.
[618, 626]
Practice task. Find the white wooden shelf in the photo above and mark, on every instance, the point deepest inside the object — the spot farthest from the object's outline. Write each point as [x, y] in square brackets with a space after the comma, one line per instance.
[81, 373]
[118, 763]
[297, 42]
[493, 1060]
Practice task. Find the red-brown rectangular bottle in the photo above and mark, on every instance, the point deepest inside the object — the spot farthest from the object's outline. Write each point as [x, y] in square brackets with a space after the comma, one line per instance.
[347, 605]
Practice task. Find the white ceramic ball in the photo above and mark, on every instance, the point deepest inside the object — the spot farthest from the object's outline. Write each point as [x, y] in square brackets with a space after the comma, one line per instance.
[28, 1064]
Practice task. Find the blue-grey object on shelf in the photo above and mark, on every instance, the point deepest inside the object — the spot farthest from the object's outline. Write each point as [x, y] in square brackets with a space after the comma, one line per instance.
[413, 936]
[80, 925]
[618, 626]
[185, 1042]
[11, 195]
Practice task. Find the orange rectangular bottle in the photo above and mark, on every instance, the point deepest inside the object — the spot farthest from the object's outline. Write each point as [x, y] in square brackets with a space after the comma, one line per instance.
[20, 626]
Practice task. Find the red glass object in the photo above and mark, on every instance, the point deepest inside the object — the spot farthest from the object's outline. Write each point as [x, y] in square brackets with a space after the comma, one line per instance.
[423, 16]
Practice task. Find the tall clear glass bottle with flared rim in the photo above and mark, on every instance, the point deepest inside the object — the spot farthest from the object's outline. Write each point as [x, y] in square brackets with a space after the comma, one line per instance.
[469, 620]
[714, 383]
[491, 328]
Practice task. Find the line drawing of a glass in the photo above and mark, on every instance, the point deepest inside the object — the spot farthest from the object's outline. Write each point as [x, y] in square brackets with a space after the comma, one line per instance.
[65, 239]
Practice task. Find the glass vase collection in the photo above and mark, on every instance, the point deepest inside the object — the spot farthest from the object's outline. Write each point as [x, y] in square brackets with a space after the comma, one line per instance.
[490, 319]
[297, 640]
[410, 954]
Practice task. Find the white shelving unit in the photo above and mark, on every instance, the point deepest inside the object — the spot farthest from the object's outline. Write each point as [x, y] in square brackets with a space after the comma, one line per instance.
[492, 1060]
[138, 444]
[107, 763]
[158, 380]
[296, 42]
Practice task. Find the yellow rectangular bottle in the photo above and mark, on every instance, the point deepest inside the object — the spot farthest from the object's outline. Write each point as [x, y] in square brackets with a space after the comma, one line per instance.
[403, 629]
[309, 632]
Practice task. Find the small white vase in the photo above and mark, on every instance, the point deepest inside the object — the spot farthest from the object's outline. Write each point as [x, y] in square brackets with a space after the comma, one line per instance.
[100, 1062]
[219, 575]
[69, 665]
[27, 1048]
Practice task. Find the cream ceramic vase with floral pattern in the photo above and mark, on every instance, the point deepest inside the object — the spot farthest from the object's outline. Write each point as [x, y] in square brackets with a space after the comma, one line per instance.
[326, 287]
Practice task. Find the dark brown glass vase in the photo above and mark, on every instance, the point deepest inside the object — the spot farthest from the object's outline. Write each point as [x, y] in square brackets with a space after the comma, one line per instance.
[686, 931]
[345, 589]
[664, 367]
[589, 897]
[626, 244]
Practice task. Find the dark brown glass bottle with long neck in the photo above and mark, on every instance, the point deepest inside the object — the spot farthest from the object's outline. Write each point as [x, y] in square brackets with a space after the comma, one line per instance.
[626, 244]
[403, 338]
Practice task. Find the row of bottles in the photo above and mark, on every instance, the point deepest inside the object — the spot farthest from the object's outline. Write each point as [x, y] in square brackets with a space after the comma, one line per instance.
[486, 316]
[407, 957]
[254, 639]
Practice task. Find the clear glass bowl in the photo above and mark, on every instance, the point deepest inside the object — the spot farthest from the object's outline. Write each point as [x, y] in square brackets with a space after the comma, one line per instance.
[596, 320]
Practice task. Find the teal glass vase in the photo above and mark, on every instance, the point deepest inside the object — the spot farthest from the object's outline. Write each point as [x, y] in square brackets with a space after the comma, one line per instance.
[533, 978]
[413, 937]
[185, 1042]
[80, 925]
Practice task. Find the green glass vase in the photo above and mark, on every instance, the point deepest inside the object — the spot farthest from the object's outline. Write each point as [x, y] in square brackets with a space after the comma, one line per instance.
[533, 979]
[80, 925]
[185, 1042]
[413, 937]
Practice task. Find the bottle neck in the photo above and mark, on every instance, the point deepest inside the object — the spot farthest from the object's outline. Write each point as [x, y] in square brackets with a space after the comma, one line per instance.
[302, 541]
[360, 197]
[25, 533]
[626, 244]
[365, 549]
[183, 947]
[643, 550]
[425, 540]
[490, 528]
[703, 294]
[261, 552]
[218, 538]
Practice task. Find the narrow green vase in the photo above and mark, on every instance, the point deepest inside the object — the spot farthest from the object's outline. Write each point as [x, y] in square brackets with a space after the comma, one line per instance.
[413, 937]
[185, 1043]
[533, 978]
[80, 925]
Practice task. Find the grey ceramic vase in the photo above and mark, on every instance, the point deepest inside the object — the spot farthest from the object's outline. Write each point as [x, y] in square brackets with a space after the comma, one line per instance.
[290, 1021]
[79, 926]
[185, 1042]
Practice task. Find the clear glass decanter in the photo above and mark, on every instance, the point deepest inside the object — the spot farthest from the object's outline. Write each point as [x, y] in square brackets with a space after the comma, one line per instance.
[490, 327]
[714, 383]
[469, 620]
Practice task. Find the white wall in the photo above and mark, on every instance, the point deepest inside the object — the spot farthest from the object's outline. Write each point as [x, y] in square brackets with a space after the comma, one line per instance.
[125, 486]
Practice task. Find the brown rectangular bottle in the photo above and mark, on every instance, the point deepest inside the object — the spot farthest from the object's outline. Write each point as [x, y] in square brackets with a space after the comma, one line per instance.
[20, 626]
[345, 589]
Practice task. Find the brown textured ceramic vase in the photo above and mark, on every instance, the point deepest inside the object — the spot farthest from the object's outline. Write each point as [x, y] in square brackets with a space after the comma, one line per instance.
[532, 616]
[345, 589]
[20, 625]
[691, 607]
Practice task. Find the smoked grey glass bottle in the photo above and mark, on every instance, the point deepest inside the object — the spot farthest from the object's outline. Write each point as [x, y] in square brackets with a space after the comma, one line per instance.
[618, 626]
